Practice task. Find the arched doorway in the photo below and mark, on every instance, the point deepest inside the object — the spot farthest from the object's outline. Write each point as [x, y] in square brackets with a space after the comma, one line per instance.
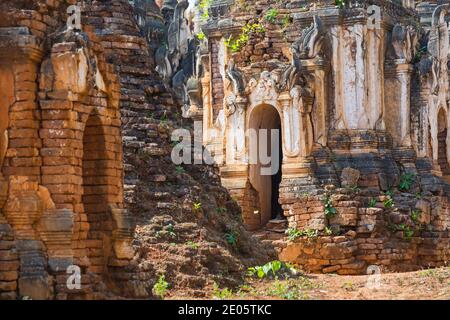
[442, 143]
[95, 195]
[265, 162]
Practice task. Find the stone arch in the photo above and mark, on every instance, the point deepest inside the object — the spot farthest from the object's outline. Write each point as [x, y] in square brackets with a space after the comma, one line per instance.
[96, 194]
[265, 182]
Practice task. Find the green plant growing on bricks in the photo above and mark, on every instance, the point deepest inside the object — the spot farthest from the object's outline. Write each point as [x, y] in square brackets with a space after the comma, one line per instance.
[340, 3]
[406, 181]
[272, 269]
[235, 45]
[197, 206]
[221, 294]
[329, 210]
[372, 203]
[271, 15]
[203, 9]
[161, 286]
[232, 238]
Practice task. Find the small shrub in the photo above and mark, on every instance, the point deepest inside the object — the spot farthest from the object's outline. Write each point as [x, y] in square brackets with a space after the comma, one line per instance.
[235, 45]
[311, 233]
[271, 15]
[388, 203]
[168, 231]
[293, 234]
[286, 22]
[408, 232]
[222, 294]
[327, 231]
[340, 3]
[330, 211]
[231, 238]
[179, 169]
[197, 206]
[406, 181]
[372, 203]
[192, 244]
[272, 269]
[415, 215]
[161, 286]
[203, 8]
[201, 36]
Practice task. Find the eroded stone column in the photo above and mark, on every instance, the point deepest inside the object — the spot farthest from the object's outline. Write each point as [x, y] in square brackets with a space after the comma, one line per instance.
[317, 68]
[398, 86]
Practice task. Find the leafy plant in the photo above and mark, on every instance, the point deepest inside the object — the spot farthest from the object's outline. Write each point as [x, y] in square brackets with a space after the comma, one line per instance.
[327, 231]
[340, 3]
[286, 22]
[169, 231]
[271, 15]
[235, 45]
[161, 286]
[388, 203]
[192, 244]
[329, 210]
[179, 169]
[283, 290]
[272, 269]
[415, 215]
[201, 36]
[406, 181]
[293, 234]
[221, 294]
[408, 232]
[372, 202]
[311, 233]
[197, 206]
[203, 9]
[231, 238]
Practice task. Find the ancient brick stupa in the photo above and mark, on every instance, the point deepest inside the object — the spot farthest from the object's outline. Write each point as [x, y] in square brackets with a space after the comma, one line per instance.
[361, 96]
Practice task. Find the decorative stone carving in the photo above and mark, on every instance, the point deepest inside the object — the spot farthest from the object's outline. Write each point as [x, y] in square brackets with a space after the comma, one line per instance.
[263, 90]
[178, 34]
[290, 74]
[404, 41]
[194, 90]
[309, 46]
[236, 78]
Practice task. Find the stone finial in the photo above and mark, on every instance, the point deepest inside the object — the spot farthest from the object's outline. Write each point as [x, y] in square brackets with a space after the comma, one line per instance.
[350, 177]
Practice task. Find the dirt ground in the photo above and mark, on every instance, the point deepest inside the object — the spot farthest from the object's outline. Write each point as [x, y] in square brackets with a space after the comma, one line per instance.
[430, 284]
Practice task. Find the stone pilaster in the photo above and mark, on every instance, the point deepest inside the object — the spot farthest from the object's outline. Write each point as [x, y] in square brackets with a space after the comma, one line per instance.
[397, 88]
[318, 68]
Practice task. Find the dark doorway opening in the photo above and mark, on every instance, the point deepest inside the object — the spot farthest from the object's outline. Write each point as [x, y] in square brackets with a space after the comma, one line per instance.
[277, 210]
